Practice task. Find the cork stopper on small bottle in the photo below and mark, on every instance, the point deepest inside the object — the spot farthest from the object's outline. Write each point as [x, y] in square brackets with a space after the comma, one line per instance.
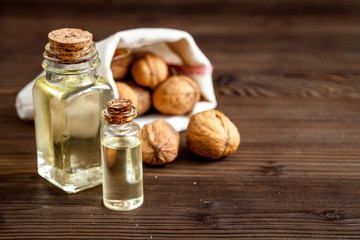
[66, 41]
[119, 111]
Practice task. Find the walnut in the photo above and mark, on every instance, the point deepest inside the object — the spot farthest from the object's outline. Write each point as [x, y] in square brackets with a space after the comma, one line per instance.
[176, 96]
[120, 64]
[140, 97]
[210, 134]
[125, 91]
[149, 70]
[160, 143]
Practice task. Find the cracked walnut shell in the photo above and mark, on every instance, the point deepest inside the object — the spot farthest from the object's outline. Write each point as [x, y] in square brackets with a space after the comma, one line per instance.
[149, 70]
[160, 143]
[176, 96]
[211, 134]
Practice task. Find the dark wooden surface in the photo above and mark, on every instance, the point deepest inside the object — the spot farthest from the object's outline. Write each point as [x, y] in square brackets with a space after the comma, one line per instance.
[286, 73]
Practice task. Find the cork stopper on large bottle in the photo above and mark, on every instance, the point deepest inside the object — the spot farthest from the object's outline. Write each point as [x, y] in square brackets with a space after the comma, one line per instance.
[70, 43]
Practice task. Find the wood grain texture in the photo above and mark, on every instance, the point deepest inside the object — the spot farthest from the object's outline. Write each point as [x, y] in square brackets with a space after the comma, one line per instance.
[285, 72]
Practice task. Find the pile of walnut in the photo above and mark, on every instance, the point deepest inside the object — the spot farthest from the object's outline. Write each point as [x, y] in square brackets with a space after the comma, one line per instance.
[150, 82]
[145, 79]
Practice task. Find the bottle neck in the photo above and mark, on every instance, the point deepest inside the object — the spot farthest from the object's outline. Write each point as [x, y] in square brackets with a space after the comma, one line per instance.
[71, 67]
[119, 116]
[119, 127]
[123, 129]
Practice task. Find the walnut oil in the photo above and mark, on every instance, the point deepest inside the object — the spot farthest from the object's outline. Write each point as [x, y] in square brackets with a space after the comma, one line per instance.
[121, 157]
[68, 102]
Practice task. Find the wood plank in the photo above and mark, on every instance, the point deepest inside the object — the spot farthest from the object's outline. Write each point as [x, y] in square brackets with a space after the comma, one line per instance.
[298, 136]
[186, 7]
[258, 54]
[224, 207]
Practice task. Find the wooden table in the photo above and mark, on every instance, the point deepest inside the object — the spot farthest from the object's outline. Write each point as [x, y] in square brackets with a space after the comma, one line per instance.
[287, 73]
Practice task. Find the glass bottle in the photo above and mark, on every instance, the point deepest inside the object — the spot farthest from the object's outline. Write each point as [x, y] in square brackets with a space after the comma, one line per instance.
[121, 157]
[68, 103]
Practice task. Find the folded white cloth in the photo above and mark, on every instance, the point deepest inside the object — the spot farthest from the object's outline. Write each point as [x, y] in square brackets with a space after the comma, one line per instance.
[176, 47]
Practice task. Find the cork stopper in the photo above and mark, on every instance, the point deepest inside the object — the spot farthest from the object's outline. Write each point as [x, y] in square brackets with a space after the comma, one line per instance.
[119, 111]
[70, 40]
[69, 43]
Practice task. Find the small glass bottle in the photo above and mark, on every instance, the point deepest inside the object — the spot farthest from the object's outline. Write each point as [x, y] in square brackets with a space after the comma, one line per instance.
[121, 157]
[68, 103]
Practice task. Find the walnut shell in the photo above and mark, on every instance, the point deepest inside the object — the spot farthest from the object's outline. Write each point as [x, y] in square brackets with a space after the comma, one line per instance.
[149, 70]
[176, 96]
[125, 91]
[140, 97]
[160, 143]
[120, 65]
[210, 134]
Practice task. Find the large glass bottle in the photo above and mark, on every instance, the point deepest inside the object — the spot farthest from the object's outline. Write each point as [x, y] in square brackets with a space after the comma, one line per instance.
[68, 102]
[121, 157]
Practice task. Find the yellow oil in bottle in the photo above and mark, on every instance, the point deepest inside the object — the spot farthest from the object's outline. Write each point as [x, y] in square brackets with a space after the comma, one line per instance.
[67, 123]
[122, 170]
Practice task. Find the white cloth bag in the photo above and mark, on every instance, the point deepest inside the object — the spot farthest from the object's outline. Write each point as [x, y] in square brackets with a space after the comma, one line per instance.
[176, 47]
